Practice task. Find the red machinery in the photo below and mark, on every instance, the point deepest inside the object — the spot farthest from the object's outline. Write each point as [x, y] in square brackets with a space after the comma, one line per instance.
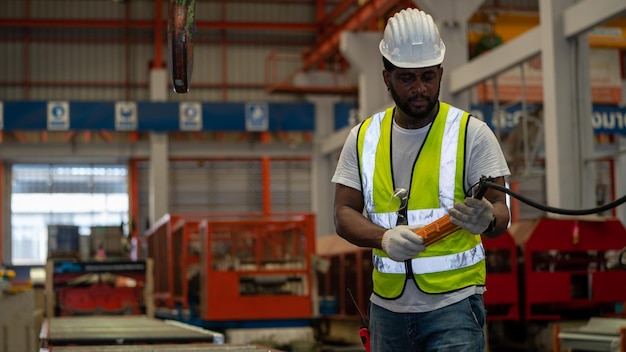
[565, 269]
[99, 299]
[95, 288]
[186, 248]
[344, 290]
[238, 265]
[167, 244]
[350, 269]
[158, 242]
[502, 295]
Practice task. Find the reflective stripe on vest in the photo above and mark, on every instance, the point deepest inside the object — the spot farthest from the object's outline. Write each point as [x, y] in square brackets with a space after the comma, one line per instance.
[417, 217]
[368, 160]
[431, 264]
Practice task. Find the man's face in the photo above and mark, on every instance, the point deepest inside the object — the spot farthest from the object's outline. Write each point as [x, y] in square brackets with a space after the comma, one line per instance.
[415, 91]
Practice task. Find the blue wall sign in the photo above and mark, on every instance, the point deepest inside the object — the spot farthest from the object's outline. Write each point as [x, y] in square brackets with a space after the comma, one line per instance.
[125, 116]
[257, 117]
[190, 115]
[58, 116]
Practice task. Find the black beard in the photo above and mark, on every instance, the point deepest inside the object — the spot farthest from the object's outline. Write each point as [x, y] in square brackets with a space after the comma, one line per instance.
[408, 109]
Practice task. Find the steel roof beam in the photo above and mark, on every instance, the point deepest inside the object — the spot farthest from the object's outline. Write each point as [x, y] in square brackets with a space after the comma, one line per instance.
[576, 19]
[496, 61]
[363, 16]
[587, 14]
[336, 12]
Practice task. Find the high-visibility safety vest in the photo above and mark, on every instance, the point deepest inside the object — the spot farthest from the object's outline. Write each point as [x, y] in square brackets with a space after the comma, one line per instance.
[453, 263]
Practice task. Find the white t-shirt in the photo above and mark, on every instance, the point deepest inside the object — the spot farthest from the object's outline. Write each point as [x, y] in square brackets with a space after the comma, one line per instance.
[484, 157]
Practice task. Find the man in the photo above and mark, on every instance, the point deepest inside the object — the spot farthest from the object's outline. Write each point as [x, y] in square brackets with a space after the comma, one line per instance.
[426, 298]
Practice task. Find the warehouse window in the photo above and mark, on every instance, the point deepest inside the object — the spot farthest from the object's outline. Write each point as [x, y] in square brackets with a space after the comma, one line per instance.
[81, 196]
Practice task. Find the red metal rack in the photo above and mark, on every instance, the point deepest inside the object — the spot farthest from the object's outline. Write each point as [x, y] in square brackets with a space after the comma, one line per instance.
[186, 259]
[237, 264]
[250, 265]
[502, 295]
[565, 268]
[167, 243]
[350, 268]
[158, 241]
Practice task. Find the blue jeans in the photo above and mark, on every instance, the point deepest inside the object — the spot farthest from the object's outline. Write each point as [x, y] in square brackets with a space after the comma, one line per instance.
[455, 328]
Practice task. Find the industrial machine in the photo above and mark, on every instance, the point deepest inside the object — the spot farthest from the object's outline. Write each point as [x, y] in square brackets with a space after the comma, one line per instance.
[343, 290]
[565, 268]
[598, 334]
[233, 268]
[502, 299]
[158, 245]
[96, 288]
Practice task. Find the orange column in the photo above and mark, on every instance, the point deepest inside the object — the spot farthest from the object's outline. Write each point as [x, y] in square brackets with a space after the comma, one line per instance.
[267, 185]
[158, 35]
[556, 342]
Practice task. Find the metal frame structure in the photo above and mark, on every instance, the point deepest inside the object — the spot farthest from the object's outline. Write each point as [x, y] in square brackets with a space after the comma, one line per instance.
[565, 268]
[242, 263]
[79, 288]
[502, 299]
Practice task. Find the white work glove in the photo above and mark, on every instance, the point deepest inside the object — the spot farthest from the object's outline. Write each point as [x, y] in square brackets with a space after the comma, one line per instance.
[401, 243]
[474, 215]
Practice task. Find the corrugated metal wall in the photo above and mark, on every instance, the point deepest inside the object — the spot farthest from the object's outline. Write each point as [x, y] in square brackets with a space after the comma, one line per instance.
[229, 186]
[103, 50]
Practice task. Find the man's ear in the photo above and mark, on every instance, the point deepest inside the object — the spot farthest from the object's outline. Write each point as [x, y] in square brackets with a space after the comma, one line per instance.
[387, 78]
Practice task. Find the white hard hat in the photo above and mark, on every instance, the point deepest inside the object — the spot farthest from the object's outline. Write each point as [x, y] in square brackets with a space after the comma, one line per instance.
[411, 40]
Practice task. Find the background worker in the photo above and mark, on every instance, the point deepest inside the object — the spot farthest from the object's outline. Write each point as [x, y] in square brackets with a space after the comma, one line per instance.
[425, 298]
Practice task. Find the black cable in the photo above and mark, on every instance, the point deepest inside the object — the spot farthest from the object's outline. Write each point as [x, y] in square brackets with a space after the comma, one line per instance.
[485, 183]
[550, 209]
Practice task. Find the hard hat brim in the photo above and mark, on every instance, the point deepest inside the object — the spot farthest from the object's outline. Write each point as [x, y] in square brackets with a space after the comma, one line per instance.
[412, 64]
